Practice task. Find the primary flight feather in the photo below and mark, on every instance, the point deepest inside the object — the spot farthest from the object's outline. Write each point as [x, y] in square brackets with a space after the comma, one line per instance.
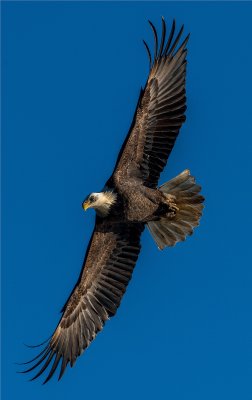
[130, 200]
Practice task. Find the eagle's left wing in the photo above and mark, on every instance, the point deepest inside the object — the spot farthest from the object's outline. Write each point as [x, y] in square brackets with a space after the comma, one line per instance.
[107, 269]
[159, 114]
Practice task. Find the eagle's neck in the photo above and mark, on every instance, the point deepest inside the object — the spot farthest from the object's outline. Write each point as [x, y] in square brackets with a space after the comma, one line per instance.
[105, 200]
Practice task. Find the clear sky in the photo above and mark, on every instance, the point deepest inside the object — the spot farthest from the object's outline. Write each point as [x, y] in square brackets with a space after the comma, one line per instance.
[71, 78]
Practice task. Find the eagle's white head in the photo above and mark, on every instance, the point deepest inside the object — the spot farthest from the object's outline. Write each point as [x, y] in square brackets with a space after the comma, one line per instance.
[101, 202]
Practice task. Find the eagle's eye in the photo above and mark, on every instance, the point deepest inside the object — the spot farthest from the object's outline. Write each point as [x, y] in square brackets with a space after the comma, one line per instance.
[91, 198]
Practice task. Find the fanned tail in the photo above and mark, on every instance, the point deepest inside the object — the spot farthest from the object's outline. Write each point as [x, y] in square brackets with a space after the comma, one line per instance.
[183, 194]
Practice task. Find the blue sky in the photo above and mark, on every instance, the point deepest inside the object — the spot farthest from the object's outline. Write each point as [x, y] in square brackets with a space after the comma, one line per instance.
[71, 79]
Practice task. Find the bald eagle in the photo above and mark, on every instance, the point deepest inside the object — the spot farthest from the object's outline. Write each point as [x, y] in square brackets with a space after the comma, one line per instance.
[129, 201]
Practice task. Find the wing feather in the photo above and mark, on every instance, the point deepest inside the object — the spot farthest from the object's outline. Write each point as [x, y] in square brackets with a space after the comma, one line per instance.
[170, 38]
[162, 38]
[148, 52]
[155, 39]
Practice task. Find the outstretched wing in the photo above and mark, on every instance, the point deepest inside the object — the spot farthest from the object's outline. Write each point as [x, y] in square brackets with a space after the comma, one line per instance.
[107, 269]
[159, 114]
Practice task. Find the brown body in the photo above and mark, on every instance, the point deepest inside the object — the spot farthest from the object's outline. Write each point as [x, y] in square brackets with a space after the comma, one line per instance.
[150, 205]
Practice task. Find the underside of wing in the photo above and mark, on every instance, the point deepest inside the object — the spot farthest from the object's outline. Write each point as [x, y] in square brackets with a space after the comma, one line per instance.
[107, 269]
[160, 112]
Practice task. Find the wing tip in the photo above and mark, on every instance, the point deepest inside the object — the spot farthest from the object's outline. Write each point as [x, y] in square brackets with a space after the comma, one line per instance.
[159, 50]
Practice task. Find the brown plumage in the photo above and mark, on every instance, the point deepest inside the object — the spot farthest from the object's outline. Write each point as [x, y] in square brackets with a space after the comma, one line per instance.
[129, 201]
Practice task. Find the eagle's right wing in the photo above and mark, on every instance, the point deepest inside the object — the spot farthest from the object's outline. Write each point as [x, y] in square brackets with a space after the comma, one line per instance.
[159, 114]
[107, 269]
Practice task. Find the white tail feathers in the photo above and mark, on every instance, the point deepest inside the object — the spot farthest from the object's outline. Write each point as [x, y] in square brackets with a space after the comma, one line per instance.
[173, 228]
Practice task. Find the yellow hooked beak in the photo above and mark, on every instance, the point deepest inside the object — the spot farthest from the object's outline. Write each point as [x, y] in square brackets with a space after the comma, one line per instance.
[86, 205]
